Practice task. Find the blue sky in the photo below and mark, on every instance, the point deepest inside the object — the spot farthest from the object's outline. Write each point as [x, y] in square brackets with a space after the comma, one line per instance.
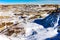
[30, 1]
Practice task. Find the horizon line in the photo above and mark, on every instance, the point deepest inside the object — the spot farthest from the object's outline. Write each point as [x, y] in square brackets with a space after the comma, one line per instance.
[26, 3]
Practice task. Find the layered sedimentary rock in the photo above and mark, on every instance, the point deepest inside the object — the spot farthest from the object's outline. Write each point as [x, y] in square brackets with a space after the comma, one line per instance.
[16, 20]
